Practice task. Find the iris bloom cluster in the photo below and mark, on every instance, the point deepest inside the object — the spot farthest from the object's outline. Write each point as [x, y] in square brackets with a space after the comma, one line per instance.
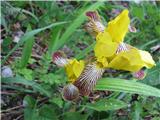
[111, 52]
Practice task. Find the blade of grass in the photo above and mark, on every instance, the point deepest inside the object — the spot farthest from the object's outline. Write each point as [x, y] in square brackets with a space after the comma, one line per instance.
[75, 24]
[27, 50]
[128, 86]
[26, 12]
[18, 88]
[23, 81]
[149, 43]
[29, 35]
[54, 38]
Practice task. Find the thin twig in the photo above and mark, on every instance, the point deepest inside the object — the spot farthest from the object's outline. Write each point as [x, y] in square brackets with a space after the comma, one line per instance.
[7, 93]
[13, 108]
[19, 117]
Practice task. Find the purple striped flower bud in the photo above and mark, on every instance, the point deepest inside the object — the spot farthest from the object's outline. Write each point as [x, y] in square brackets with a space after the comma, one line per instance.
[70, 92]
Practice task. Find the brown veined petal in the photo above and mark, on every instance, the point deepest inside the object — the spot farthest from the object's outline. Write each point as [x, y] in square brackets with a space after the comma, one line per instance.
[94, 26]
[93, 15]
[70, 92]
[87, 80]
[60, 59]
[122, 47]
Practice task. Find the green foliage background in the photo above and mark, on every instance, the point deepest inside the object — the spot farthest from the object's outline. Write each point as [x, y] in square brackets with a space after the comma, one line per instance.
[54, 24]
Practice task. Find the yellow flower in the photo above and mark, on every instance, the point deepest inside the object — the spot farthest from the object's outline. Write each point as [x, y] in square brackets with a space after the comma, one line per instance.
[73, 69]
[118, 27]
[111, 52]
[104, 48]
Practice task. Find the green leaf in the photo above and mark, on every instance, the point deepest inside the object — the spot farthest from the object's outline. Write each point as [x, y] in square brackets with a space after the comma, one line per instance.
[106, 104]
[23, 81]
[26, 12]
[137, 11]
[27, 50]
[145, 45]
[54, 38]
[75, 24]
[137, 110]
[30, 112]
[47, 113]
[58, 101]
[18, 88]
[28, 101]
[27, 73]
[29, 35]
[153, 76]
[128, 86]
[74, 116]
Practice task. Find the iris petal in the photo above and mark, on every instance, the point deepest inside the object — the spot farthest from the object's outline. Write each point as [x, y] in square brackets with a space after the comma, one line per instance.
[132, 60]
[74, 69]
[118, 27]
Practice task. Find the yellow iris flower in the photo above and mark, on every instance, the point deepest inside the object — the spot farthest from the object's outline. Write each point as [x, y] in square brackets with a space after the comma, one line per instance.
[108, 41]
[73, 69]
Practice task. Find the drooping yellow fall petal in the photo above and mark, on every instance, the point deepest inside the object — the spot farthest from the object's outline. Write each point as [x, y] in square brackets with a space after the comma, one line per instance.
[118, 27]
[74, 69]
[147, 58]
[132, 60]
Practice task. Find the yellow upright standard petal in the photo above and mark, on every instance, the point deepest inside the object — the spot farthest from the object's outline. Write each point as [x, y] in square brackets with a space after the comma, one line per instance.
[118, 27]
[104, 46]
[74, 69]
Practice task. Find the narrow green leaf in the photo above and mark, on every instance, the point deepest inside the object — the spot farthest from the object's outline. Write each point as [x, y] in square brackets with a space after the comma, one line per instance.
[26, 12]
[23, 81]
[129, 86]
[54, 38]
[149, 43]
[3, 22]
[106, 104]
[18, 88]
[29, 35]
[75, 24]
[27, 50]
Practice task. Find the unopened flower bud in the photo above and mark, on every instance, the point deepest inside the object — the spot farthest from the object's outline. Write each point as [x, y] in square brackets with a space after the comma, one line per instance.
[70, 92]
